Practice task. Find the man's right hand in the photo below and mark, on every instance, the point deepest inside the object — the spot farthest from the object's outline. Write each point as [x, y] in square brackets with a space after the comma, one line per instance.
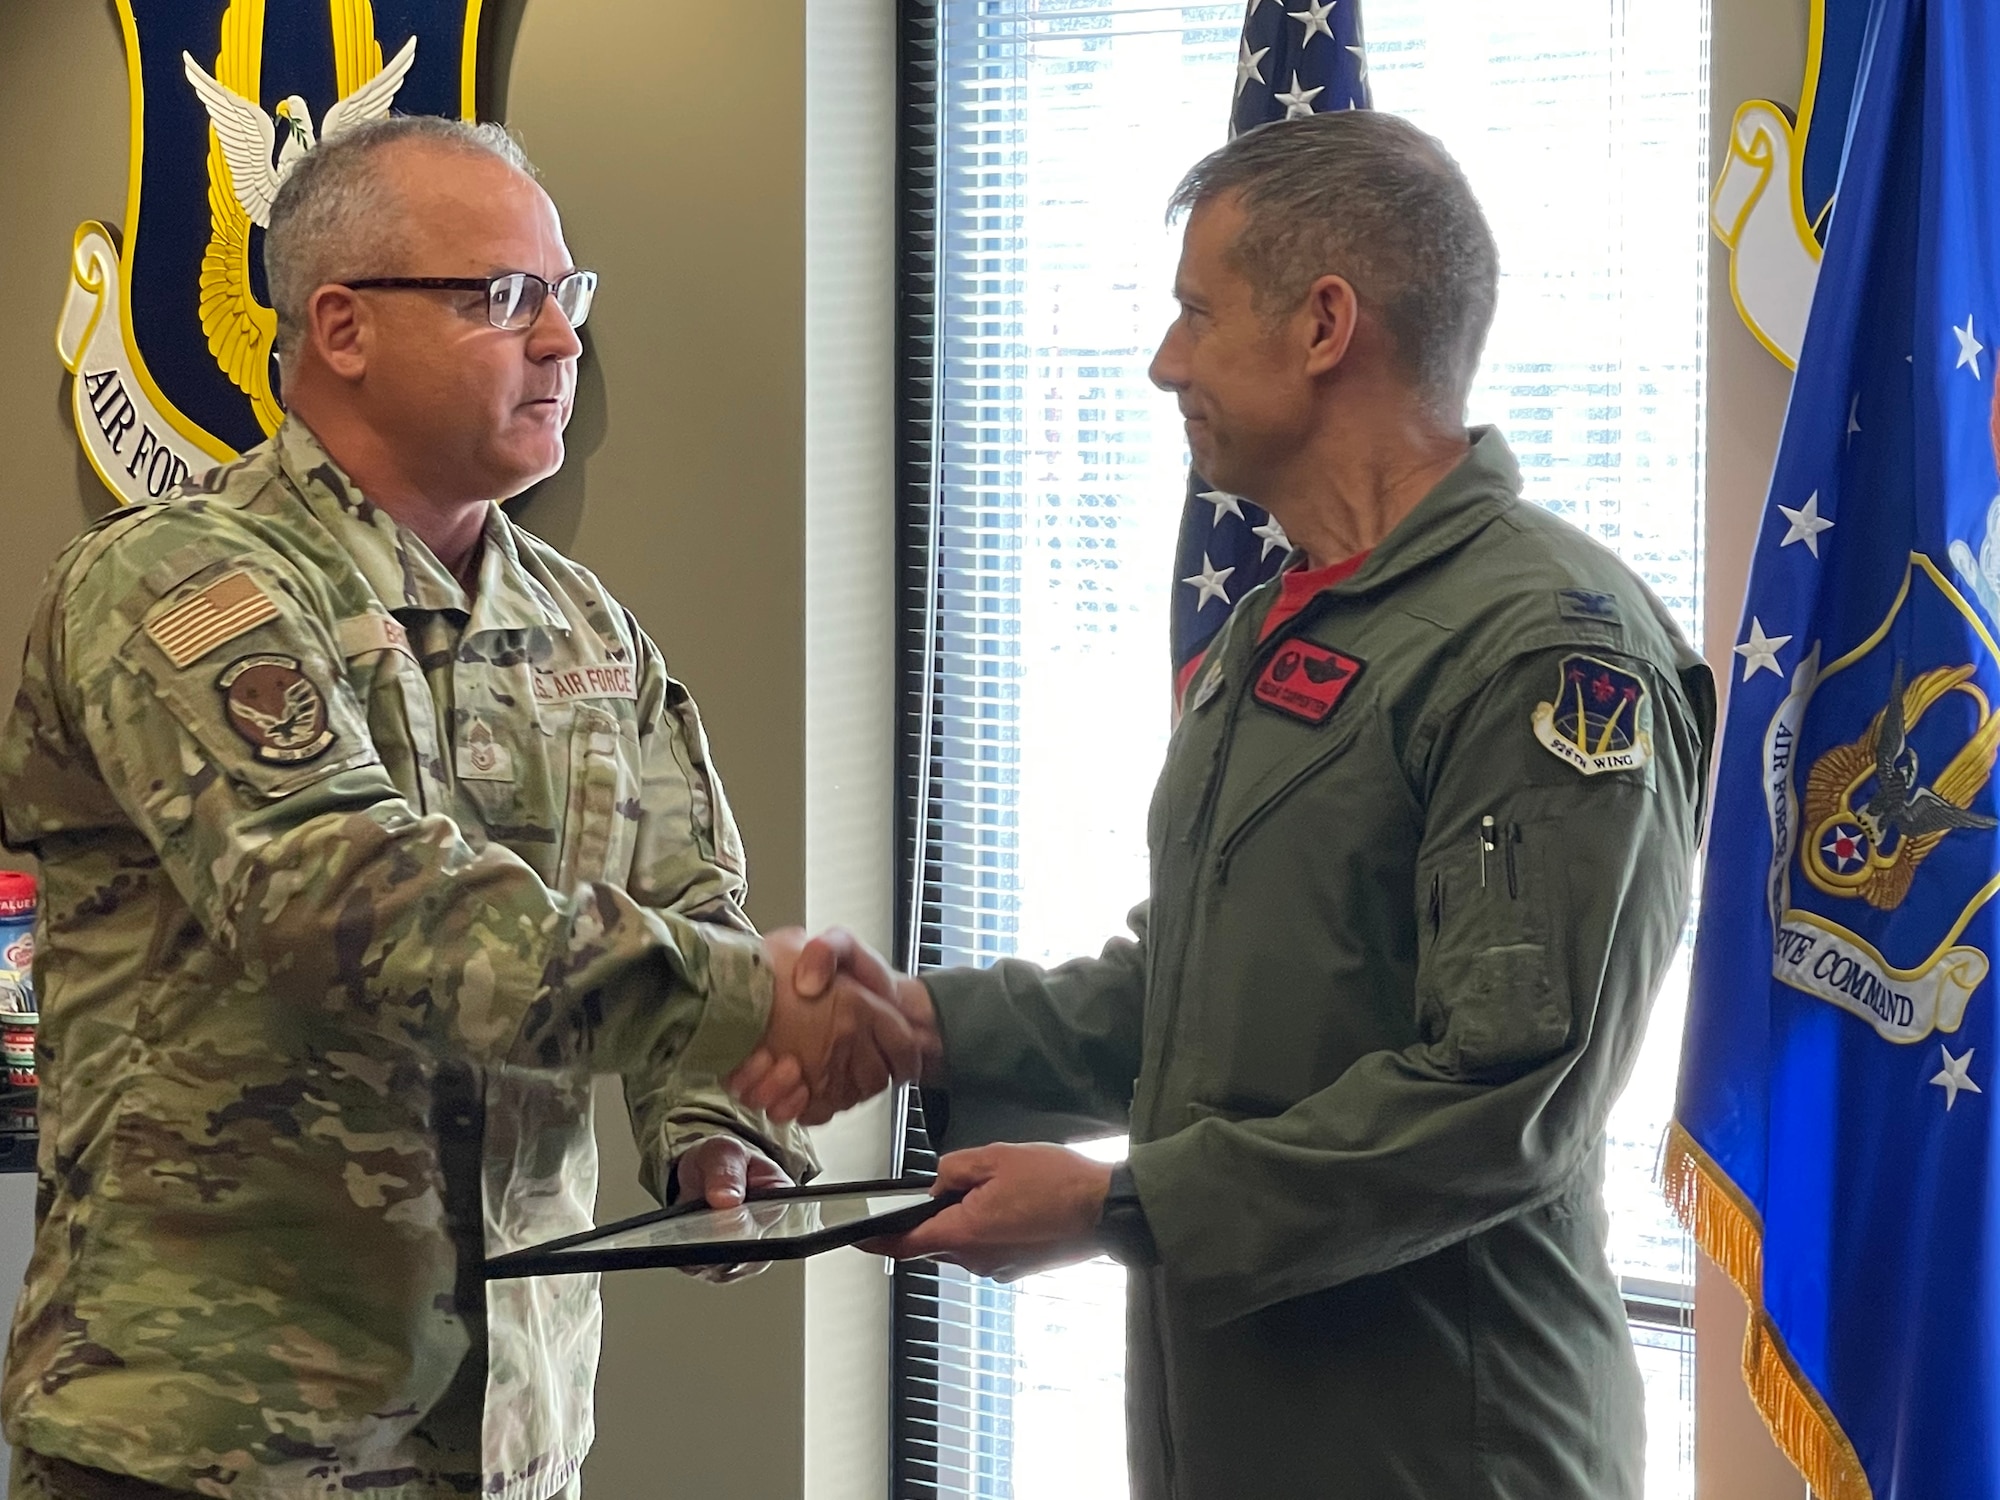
[834, 1038]
[788, 1079]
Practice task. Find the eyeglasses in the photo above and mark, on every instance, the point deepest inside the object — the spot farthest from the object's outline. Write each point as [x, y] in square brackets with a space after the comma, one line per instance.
[513, 298]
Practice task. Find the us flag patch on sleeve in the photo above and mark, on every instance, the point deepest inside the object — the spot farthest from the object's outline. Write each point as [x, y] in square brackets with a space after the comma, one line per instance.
[221, 612]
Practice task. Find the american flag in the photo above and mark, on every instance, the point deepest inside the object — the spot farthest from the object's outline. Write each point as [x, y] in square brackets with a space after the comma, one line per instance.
[1289, 63]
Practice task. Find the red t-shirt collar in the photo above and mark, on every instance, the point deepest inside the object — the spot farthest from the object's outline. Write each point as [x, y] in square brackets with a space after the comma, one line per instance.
[1296, 589]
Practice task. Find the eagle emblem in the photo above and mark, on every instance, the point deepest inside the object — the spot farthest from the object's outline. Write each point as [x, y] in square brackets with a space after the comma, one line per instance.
[1870, 820]
[248, 160]
[166, 323]
[275, 708]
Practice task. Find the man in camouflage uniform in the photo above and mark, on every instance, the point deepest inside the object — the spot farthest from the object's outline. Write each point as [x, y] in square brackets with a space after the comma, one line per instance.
[369, 826]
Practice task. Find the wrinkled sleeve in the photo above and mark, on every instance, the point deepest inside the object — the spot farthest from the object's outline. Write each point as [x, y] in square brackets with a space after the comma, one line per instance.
[272, 814]
[1041, 1054]
[1533, 987]
[688, 858]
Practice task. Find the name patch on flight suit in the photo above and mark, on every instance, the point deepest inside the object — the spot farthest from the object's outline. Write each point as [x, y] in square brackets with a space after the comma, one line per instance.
[277, 710]
[1306, 681]
[567, 684]
[1599, 720]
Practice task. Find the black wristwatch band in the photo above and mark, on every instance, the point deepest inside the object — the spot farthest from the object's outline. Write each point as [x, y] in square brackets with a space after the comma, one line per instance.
[1122, 1230]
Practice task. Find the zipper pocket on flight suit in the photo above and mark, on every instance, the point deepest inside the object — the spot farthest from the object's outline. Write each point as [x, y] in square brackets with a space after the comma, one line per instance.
[1225, 856]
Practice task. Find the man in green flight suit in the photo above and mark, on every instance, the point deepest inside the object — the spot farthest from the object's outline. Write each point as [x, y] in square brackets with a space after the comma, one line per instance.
[370, 826]
[1420, 859]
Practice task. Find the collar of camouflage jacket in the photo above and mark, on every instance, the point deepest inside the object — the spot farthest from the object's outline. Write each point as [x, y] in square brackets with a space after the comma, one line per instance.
[404, 572]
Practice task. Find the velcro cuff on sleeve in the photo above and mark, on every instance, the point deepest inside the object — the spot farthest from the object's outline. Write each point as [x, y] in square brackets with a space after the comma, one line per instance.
[737, 1006]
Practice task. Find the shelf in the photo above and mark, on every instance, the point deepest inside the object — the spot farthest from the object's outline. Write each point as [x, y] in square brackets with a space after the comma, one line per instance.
[17, 1151]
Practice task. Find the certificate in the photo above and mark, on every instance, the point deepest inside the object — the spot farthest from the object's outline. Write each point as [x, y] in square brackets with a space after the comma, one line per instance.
[777, 1224]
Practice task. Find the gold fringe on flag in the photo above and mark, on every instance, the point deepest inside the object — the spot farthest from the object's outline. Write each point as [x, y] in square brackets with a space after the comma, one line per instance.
[1726, 1226]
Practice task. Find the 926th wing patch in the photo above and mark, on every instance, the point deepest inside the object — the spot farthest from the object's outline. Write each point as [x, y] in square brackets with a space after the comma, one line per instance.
[1601, 719]
[221, 612]
[276, 708]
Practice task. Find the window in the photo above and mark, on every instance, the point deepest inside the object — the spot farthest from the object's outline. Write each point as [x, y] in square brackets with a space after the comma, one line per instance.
[1043, 477]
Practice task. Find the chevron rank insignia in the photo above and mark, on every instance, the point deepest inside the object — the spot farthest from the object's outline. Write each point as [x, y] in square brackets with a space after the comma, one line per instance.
[221, 612]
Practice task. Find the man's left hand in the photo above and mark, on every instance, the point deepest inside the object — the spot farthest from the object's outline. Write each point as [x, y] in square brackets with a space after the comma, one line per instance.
[721, 1171]
[1025, 1209]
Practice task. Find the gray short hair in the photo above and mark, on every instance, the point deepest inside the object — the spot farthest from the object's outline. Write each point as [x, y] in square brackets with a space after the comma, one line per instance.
[1367, 196]
[336, 216]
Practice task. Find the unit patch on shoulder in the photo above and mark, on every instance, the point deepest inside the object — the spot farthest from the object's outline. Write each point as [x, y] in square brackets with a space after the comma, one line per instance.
[276, 708]
[1600, 720]
[221, 612]
[1306, 680]
[1587, 604]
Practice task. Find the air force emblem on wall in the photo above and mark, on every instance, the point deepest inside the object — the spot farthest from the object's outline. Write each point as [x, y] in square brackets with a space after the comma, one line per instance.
[170, 336]
[1601, 719]
[1893, 834]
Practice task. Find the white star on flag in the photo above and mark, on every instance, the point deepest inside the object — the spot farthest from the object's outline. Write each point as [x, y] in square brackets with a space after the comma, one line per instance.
[1274, 537]
[1968, 350]
[1313, 18]
[1223, 502]
[1761, 650]
[1299, 102]
[1853, 416]
[1806, 524]
[1246, 64]
[1360, 64]
[1952, 1077]
[1208, 583]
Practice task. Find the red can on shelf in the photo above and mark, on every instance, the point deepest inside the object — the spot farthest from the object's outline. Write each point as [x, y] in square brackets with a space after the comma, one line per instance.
[18, 1013]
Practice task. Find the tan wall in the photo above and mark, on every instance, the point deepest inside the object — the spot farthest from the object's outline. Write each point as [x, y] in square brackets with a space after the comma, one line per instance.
[62, 160]
[684, 183]
[1757, 50]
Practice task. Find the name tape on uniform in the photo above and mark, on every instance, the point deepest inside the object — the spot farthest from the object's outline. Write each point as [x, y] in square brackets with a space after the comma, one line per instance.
[363, 635]
[567, 684]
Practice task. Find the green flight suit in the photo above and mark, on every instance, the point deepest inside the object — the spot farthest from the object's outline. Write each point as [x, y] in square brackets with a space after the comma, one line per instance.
[1366, 1059]
[350, 882]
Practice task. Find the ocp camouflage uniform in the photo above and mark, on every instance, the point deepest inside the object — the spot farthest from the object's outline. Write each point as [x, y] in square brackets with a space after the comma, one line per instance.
[349, 883]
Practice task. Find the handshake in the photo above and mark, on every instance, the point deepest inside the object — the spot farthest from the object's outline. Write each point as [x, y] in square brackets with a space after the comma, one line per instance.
[844, 1026]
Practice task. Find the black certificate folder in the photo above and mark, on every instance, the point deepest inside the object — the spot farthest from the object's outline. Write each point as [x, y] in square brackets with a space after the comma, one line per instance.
[780, 1224]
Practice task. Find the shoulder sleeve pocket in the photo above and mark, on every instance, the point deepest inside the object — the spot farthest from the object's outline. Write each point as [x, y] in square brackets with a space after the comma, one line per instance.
[1492, 1000]
[252, 676]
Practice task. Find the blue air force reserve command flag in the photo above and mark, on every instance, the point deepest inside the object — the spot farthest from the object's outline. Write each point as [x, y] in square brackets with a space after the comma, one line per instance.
[169, 332]
[1289, 63]
[1835, 1127]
